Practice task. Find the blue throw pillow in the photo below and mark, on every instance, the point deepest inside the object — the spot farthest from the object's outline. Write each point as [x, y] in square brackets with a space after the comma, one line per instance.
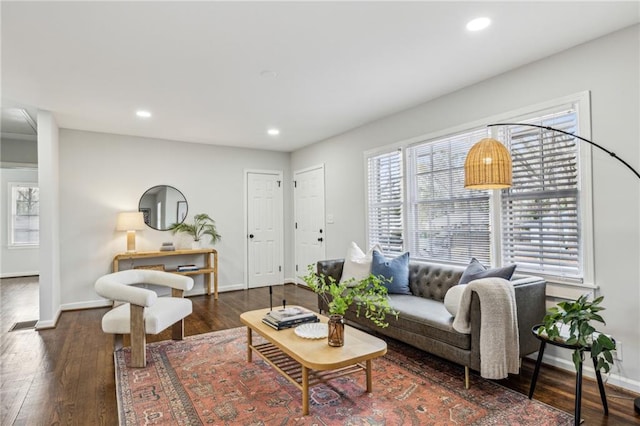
[396, 272]
[477, 270]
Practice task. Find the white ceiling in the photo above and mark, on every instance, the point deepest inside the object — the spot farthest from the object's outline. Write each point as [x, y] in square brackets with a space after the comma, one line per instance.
[197, 65]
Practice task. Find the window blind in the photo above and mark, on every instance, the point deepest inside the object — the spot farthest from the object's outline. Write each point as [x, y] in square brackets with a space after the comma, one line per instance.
[25, 219]
[447, 223]
[385, 190]
[540, 212]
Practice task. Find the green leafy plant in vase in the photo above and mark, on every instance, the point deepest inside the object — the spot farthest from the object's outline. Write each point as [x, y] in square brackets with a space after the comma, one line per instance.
[202, 225]
[578, 315]
[369, 295]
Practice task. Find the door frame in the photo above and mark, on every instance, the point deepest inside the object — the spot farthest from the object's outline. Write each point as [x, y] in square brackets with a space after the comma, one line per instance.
[246, 173]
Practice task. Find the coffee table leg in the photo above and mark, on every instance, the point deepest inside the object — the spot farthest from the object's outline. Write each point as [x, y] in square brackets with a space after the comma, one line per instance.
[249, 344]
[305, 390]
[369, 381]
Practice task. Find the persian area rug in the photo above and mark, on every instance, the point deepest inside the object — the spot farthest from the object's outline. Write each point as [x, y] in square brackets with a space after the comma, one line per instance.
[206, 379]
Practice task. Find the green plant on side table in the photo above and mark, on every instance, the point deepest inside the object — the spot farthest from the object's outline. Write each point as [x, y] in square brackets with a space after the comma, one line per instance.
[369, 295]
[578, 315]
[202, 225]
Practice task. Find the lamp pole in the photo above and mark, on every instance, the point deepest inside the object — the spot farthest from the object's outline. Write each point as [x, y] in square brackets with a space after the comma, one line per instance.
[636, 402]
[613, 154]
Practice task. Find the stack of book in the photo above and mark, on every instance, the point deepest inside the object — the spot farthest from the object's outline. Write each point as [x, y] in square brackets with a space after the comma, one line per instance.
[184, 268]
[289, 317]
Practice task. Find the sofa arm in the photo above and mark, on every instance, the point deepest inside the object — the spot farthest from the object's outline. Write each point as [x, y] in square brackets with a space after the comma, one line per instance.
[531, 308]
[329, 268]
[531, 304]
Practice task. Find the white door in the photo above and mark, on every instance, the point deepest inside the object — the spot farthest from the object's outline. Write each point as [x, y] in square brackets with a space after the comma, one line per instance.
[264, 228]
[310, 233]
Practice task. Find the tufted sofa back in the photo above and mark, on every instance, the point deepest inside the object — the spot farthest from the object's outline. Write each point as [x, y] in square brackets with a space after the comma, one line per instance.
[432, 280]
[428, 280]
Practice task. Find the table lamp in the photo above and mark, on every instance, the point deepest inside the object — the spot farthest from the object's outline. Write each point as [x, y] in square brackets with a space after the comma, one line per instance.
[130, 222]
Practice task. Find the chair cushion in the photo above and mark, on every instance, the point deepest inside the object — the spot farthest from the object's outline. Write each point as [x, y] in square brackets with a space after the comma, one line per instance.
[165, 312]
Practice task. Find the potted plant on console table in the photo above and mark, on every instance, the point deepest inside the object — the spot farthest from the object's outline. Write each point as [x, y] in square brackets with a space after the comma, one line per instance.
[202, 225]
[369, 295]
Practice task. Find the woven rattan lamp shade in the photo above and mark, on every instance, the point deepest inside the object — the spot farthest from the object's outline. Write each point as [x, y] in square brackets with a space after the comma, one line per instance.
[488, 166]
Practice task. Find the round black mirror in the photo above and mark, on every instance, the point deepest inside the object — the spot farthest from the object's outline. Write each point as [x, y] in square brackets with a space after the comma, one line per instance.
[162, 206]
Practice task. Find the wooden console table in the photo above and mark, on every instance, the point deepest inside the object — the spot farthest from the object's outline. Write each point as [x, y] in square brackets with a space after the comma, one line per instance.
[210, 263]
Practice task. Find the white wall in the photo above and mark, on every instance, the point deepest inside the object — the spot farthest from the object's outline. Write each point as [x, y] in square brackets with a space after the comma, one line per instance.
[15, 262]
[609, 68]
[21, 152]
[102, 174]
[50, 214]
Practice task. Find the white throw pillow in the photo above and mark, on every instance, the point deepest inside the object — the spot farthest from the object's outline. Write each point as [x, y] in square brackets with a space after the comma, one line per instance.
[452, 298]
[357, 264]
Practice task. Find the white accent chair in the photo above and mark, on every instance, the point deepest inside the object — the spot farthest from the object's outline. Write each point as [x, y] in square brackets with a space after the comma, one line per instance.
[143, 311]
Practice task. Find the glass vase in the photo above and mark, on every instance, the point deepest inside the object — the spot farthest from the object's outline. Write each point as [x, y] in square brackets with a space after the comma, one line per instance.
[336, 330]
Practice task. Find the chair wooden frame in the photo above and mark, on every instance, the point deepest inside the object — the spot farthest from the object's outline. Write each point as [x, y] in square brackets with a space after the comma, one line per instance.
[118, 286]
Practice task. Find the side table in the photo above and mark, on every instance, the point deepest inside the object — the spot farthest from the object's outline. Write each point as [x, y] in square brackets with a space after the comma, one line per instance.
[543, 342]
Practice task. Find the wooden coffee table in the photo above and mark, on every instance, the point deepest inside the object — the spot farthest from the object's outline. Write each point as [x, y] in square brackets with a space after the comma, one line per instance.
[307, 362]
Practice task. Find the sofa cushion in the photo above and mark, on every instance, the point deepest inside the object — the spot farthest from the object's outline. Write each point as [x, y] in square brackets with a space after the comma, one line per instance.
[357, 264]
[418, 312]
[477, 270]
[395, 271]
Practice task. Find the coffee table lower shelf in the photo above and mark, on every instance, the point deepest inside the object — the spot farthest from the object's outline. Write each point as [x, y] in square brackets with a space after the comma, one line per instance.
[302, 377]
[293, 370]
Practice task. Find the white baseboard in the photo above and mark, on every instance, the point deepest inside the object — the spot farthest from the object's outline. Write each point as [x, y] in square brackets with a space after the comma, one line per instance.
[90, 304]
[41, 325]
[588, 371]
[19, 274]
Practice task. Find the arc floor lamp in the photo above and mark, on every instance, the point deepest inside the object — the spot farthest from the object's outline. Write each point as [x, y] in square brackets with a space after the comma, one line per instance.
[488, 166]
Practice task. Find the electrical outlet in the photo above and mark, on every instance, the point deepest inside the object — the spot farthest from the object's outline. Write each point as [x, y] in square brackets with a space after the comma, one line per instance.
[617, 354]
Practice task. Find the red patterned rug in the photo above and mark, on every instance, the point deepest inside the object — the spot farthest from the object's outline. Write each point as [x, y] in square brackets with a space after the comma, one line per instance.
[205, 379]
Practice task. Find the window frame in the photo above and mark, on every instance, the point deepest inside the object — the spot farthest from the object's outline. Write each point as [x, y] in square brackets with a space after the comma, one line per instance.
[581, 101]
[11, 210]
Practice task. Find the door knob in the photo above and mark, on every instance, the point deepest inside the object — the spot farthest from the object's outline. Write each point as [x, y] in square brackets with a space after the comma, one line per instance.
[250, 235]
[320, 239]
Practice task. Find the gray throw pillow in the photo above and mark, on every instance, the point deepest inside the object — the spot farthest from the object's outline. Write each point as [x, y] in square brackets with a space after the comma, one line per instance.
[477, 270]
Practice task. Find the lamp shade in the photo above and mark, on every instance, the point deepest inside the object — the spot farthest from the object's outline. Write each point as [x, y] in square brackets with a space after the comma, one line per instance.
[488, 166]
[130, 221]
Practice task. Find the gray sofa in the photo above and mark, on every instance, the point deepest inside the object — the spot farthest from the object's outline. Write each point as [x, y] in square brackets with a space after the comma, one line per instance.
[424, 322]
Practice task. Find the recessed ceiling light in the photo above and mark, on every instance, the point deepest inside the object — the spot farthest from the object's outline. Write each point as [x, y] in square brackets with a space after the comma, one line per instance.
[268, 74]
[478, 24]
[273, 132]
[143, 114]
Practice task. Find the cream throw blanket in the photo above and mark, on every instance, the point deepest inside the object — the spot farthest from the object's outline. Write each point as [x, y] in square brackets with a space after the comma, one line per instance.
[499, 342]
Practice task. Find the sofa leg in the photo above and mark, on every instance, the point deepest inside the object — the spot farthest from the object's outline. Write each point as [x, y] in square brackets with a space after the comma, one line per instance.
[466, 377]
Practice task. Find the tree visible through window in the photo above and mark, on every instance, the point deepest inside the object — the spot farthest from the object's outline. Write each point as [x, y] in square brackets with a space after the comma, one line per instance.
[25, 215]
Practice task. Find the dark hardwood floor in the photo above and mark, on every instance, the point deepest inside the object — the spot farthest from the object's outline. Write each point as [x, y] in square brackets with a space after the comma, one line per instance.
[66, 375]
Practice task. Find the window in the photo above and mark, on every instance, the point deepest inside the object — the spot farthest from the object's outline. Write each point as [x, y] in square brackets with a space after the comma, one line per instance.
[25, 219]
[542, 223]
[447, 222]
[540, 213]
[385, 201]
